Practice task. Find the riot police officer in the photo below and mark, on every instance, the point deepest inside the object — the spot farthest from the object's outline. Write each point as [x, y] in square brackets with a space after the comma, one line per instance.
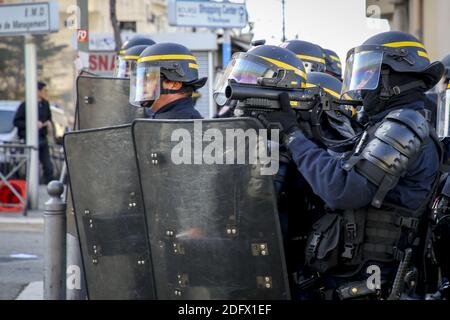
[251, 68]
[126, 63]
[166, 76]
[333, 64]
[311, 54]
[377, 194]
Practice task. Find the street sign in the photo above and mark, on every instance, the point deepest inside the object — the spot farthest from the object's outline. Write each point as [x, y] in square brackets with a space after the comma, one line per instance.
[29, 18]
[207, 14]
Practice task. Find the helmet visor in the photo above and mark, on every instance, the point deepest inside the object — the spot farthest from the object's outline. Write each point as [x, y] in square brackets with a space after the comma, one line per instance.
[443, 115]
[145, 84]
[362, 71]
[243, 69]
[124, 68]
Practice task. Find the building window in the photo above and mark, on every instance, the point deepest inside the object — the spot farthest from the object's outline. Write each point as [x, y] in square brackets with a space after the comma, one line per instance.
[127, 26]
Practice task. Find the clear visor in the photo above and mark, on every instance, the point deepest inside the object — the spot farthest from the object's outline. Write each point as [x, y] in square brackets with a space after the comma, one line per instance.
[124, 68]
[242, 71]
[145, 85]
[362, 72]
[443, 115]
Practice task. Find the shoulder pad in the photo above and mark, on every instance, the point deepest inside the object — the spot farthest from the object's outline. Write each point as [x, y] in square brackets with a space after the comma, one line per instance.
[413, 120]
[396, 141]
[388, 153]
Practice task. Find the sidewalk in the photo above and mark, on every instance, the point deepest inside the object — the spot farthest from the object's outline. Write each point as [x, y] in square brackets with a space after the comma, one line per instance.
[33, 291]
[33, 221]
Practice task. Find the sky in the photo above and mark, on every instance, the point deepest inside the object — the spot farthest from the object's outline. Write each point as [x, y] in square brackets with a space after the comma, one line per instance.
[333, 24]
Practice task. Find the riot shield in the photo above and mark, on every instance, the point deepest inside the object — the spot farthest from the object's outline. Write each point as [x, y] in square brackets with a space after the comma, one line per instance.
[103, 102]
[109, 213]
[213, 228]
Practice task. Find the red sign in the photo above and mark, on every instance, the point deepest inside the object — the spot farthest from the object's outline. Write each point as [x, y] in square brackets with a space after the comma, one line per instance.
[82, 35]
[102, 63]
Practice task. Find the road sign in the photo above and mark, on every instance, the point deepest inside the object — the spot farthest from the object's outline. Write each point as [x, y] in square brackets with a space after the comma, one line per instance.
[29, 18]
[207, 14]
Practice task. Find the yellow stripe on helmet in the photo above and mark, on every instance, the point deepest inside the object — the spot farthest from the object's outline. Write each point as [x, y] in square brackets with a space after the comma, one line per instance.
[193, 65]
[333, 93]
[285, 66]
[404, 44]
[122, 51]
[423, 54]
[329, 91]
[311, 58]
[129, 57]
[448, 86]
[168, 57]
[335, 58]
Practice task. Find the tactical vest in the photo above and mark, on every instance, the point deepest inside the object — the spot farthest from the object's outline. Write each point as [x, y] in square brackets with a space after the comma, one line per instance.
[381, 231]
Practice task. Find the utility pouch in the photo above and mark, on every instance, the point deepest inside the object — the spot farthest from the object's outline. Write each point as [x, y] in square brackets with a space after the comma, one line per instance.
[322, 248]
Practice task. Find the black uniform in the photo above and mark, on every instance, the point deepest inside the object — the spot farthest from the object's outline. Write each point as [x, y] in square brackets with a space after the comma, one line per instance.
[179, 109]
[44, 153]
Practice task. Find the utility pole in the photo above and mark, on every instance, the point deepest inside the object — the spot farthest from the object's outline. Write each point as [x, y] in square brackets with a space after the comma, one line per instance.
[83, 23]
[32, 117]
[284, 20]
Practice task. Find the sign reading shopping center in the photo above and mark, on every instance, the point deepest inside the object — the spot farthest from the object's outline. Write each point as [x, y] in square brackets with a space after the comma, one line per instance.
[29, 18]
[209, 14]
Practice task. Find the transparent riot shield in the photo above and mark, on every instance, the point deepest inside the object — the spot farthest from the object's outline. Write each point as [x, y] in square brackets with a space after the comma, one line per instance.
[109, 213]
[103, 102]
[213, 228]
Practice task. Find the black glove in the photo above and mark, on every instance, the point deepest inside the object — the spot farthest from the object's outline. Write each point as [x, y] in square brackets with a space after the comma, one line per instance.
[284, 120]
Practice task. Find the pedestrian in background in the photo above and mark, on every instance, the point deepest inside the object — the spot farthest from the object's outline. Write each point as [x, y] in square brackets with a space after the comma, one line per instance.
[44, 121]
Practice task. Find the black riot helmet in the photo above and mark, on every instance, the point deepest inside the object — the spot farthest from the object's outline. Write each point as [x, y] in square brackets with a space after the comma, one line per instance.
[126, 62]
[333, 63]
[135, 41]
[264, 62]
[159, 62]
[396, 51]
[311, 54]
[335, 117]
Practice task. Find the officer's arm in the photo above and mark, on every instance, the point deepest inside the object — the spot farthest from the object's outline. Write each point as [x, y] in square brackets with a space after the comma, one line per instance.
[49, 112]
[19, 118]
[339, 188]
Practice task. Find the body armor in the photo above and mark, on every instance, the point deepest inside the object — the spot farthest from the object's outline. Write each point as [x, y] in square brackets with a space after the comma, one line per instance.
[381, 231]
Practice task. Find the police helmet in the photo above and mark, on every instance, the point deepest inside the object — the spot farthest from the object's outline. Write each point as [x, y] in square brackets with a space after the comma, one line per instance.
[127, 62]
[335, 117]
[311, 54]
[262, 62]
[387, 52]
[333, 63]
[135, 41]
[164, 61]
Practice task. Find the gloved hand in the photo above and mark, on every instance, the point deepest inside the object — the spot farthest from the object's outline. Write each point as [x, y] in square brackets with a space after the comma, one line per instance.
[285, 120]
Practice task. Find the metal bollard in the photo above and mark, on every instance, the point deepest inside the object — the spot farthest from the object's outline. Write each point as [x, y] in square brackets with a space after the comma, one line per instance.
[55, 244]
